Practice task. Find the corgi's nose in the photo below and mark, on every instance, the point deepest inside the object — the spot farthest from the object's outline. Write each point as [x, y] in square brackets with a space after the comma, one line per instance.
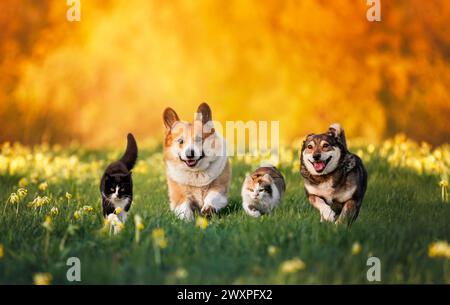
[316, 156]
[190, 153]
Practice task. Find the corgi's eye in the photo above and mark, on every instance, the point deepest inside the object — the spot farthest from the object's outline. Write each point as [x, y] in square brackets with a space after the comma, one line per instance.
[309, 146]
[180, 141]
[326, 145]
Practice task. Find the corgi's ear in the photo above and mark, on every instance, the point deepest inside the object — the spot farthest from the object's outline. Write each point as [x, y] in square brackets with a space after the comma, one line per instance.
[335, 130]
[170, 117]
[203, 113]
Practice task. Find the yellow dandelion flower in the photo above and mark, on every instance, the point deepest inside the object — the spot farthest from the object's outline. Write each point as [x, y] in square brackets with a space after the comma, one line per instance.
[2, 251]
[159, 238]
[158, 233]
[138, 223]
[201, 222]
[43, 186]
[68, 195]
[54, 211]
[443, 183]
[439, 249]
[23, 182]
[42, 279]
[181, 273]
[88, 208]
[356, 248]
[292, 266]
[47, 224]
[13, 198]
[77, 214]
[272, 250]
[39, 202]
[118, 210]
[22, 193]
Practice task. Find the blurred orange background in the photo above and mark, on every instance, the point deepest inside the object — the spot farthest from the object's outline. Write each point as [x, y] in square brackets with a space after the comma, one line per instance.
[305, 63]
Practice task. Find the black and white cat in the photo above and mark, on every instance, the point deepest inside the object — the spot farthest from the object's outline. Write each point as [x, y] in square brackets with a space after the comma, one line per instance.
[116, 185]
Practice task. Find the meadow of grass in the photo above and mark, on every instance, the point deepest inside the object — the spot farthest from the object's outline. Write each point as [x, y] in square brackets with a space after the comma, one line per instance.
[403, 214]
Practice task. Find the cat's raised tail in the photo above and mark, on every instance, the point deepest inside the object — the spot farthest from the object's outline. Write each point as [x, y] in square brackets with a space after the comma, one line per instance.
[130, 156]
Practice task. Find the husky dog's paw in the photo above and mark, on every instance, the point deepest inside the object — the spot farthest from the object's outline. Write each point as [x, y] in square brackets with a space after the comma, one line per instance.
[327, 215]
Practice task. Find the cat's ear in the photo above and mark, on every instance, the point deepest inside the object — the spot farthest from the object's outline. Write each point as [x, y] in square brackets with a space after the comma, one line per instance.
[170, 117]
[267, 178]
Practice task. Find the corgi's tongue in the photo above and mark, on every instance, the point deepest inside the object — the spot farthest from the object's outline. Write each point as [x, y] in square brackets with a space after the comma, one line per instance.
[191, 163]
[319, 166]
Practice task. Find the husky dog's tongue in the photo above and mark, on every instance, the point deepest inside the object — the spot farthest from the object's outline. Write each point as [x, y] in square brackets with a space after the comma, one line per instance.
[319, 166]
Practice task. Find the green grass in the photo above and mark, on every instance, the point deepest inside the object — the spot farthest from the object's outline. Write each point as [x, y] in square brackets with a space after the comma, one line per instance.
[401, 215]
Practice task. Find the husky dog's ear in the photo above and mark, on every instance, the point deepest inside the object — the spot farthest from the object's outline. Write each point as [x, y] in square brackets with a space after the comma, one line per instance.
[308, 138]
[337, 131]
[204, 113]
[170, 117]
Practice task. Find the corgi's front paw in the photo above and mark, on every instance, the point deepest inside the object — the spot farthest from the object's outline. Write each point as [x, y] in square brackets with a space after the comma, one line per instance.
[207, 209]
[184, 211]
[213, 203]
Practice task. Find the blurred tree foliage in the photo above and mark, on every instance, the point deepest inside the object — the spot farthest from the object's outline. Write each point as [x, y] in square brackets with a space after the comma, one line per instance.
[306, 63]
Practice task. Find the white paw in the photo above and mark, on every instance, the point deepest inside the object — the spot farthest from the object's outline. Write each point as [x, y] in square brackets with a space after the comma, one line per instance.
[184, 211]
[214, 202]
[252, 212]
[327, 214]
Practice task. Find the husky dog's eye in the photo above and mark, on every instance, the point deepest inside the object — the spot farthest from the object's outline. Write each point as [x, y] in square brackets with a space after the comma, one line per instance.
[310, 146]
[326, 145]
[180, 141]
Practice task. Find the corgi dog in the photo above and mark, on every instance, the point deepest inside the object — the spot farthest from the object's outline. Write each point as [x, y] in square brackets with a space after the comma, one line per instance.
[197, 168]
[335, 179]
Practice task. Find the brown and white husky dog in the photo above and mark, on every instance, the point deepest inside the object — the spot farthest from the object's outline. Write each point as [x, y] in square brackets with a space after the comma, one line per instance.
[197, 168]
[335, 179]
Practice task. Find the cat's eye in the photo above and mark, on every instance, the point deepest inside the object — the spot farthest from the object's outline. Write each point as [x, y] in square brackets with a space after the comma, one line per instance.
[326, 145]
[249, 189]
[180, 141]
[112, 190]
[309, 146]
